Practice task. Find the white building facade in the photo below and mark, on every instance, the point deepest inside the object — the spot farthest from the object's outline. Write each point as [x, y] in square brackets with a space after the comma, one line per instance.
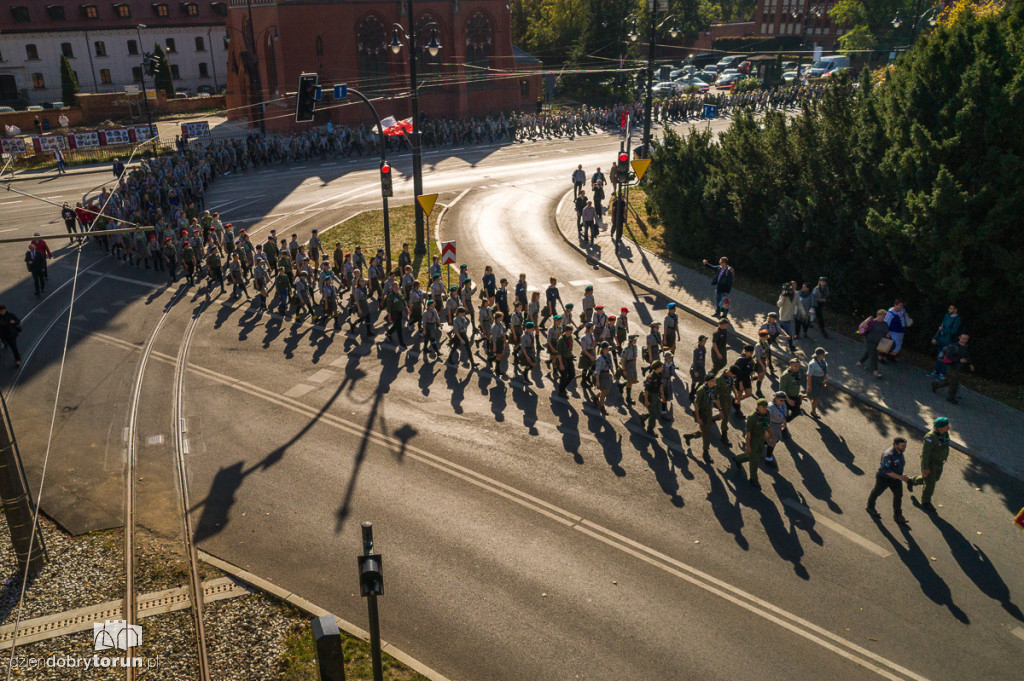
[104, 45]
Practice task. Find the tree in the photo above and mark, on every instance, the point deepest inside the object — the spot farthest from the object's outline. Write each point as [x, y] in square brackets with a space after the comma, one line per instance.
[163, 80]
[68, 82]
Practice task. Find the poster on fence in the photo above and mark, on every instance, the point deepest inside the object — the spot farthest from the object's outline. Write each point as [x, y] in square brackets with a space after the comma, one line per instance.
[83, 140]
[142, 133]
[114, 136]
[191, 130]
[49, 143]
[14, 145]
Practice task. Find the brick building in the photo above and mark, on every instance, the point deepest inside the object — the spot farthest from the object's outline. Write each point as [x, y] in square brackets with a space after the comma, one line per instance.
[476, 72]
[805, 21]
[101, 42]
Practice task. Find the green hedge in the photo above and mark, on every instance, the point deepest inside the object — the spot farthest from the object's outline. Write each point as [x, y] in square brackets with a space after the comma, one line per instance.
[752, 44]
[909, 189]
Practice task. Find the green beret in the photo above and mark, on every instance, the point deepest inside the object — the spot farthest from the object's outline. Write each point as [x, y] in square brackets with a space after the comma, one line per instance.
[941, 422]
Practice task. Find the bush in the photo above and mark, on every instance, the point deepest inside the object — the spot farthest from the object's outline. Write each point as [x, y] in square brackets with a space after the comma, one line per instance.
[747, 84]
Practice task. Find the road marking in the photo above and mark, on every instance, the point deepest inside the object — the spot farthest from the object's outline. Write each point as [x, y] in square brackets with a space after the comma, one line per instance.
[606, 280]
[795, 624]
[99, 310]
[154, 440]
[1019, 633]
[322, 376]
[837, 528]
[299, 390]
[127, 280]
[580, 282]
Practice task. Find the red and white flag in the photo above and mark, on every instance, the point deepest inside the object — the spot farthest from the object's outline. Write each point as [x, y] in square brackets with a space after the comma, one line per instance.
[393, 127]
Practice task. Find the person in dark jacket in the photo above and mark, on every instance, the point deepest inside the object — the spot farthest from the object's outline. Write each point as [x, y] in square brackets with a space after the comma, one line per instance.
[10, 327]
[957, 359]
[36, 264]
[873, 330]
[722, 282]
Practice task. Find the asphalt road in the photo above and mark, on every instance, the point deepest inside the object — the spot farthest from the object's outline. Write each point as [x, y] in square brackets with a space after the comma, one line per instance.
[523, 536]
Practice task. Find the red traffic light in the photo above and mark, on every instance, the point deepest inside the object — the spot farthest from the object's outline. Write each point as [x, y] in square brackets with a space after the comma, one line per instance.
[385, 168]
[623, 157]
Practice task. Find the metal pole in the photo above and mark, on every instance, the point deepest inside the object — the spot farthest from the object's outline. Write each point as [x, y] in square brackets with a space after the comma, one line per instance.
[16, 501]
[383, 157]
[917, 20]
[213, 58]
[371, 606]
[417, 158]
[650, 77]
[145, 99]
[254, 74]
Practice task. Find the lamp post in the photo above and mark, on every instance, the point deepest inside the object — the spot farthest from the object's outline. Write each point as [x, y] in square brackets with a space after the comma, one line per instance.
[256, 89]
[919, 18]
[633, 36]
[417, 160]
[145, 99]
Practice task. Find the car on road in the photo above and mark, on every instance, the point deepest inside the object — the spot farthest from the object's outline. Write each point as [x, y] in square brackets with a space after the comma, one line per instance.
[34, 107]
[731, 61]
[729, 72]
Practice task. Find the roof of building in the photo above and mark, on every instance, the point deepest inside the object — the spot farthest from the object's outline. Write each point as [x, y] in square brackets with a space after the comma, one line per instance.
[35, 16]
[525, 58]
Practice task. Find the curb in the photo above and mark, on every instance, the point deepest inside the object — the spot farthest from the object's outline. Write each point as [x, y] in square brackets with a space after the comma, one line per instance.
[316, 611]
[860, 396]
[30, 175]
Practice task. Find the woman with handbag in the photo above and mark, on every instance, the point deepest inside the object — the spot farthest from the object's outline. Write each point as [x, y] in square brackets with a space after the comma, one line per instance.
[874, 330]
[898, 321]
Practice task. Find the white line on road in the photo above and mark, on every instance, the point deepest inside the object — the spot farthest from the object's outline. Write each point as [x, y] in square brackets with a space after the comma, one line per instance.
[837, 528]
[1019, 633]
[127, 280]
[299, 390]
[791, 622]
[12, 229]
[580, 282]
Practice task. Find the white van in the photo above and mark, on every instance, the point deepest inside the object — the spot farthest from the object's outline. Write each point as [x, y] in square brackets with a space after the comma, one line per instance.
[826, 66]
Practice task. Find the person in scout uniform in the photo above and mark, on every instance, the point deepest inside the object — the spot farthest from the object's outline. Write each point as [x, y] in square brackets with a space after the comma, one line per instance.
[719, 346]
[702, 412]
[698, 366]
[762, 360]
[170, 254]
[397, 310]
[497, 343]
[415, 301]
[758, 435]
[452, 305]
[934, 453]
[431, 329]
[603, 370]
[284, 263]
[790, 384]
[567, 372]
[460, 338]
[621, 328]
[889, 476]
[588, 354]
[668, 372]
[588, 304]
[404, 258]
[723, 401]
[628, 368]
[778, 412]
[653, 390]
[553, 334]
[213, 267]
[270, 249]
[188, 260]
[671, 328]
[652, 348]
[527, 353]
[485, 317]
[283, 289]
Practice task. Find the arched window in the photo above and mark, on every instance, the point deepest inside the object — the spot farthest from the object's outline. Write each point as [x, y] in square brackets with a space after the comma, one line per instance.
[371, 41]
[479, 42]
[429, 65]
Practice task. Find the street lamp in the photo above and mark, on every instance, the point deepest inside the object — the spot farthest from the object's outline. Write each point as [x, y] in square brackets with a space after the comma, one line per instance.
[142, 79]
[633, 36]
[931, 15]
[433, 48]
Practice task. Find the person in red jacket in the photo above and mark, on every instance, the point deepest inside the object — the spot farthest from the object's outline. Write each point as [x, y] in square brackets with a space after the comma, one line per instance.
[42, 247]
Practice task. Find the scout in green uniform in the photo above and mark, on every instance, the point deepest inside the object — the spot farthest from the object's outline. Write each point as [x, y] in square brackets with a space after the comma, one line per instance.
[759, 434]
[719, 346]
[653, 393]
[188, 261]
[723, 401]
[170, 254]
[213, 267]
[933, 456]
[790, 384]
[702, 407]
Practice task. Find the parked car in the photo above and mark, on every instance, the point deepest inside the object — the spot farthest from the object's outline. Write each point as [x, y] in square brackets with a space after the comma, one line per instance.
[790, 77]
[729, 72]
[694, 82]
[707, 76]
[744, 67]
[209, 89]
[6, 109]
[788, 66]
[728, 79]
[826, 66]
[34, 107]
[731, 61]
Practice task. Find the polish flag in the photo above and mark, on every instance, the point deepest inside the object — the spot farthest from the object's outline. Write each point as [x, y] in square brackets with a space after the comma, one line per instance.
[393, 127]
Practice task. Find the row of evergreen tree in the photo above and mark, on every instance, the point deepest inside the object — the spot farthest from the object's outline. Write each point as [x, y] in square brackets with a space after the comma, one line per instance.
[909, 187]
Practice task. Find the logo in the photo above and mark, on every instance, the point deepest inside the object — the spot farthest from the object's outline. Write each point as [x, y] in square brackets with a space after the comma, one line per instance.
[116, 634]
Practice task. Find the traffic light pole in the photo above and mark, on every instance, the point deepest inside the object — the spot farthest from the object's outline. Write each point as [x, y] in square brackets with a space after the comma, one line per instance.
[145, 60]
[17, 503]
[383, 159]
[371, 584]
[417, 158]
[650, 84]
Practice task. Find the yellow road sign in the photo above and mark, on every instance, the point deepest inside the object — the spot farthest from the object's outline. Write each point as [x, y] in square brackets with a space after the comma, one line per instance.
[640, 167]
[427, 202]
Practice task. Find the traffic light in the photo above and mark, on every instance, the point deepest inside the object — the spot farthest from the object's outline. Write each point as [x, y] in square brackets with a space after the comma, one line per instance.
[305, 98]
[151, 63]
[385, 179]
[620, 170]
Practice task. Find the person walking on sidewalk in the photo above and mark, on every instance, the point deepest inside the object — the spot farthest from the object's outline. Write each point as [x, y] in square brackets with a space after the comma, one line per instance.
[957, 359]
[898, 321]
[889, 476]
[817, 379]
[803, 313]
[947, 333]
[579, 177]
[722, 281]
[934, 453]
[589, 217]
[10, 327]
[819, 299]
[872, 330]
[580, 203]
[790, 309]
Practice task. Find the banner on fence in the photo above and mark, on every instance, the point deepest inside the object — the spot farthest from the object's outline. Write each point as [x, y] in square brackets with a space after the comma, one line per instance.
[14, 145]
[119, 136]
[49, 143]
[142, 133]
[84, 140]
[198, 129]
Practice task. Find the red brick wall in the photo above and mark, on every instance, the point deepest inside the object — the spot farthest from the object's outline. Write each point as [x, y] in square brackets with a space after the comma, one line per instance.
[90, 110]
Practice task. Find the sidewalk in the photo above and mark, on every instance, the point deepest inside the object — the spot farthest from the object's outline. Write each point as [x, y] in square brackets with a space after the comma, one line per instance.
[51, 172]
[904, 393]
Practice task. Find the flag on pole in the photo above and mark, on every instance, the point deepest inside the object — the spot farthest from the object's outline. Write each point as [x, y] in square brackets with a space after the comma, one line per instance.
[393, 127]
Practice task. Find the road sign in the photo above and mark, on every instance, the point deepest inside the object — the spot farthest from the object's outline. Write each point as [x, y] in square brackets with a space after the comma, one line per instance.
[341, 91]
[640, 167]
[710, 111]
[427, 202]
[447, 252]
[1019, 519]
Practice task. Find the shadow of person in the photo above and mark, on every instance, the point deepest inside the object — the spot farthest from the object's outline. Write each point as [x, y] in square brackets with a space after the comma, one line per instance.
[932, 585]
[272, 329]
[976, 565]
[498, 396]
[526, 401]
[292, 342]
[455, 386]
[837, 447]
[248, 322]
[568, 426]
[218, 503]
[784, 489]
[657, 459]
[814, 478]
[610, 441]
[428, 370]
[728, 514]
[785, 541]
[320, 339]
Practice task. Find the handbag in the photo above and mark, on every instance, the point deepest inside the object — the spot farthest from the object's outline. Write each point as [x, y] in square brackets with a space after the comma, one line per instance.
[886, 344]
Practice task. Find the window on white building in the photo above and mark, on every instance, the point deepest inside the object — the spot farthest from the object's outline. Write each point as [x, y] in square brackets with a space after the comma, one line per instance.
[175, 72]
[101, 48]
[105, 76]
[170, 45]
[31, 52]
[200, 44]
[37, 81]
[204, 70]
[67, 50]
[133, 47]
